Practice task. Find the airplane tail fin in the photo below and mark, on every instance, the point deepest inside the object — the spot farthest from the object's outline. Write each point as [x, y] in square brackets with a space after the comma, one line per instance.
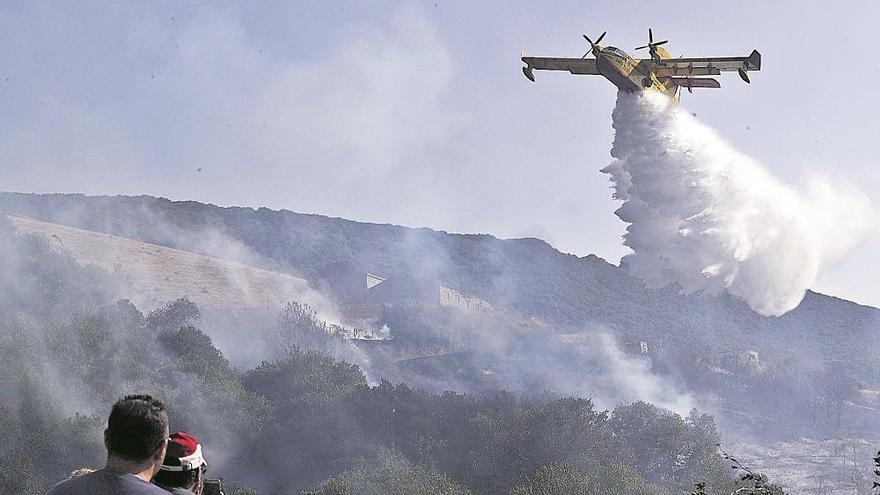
[754, 61]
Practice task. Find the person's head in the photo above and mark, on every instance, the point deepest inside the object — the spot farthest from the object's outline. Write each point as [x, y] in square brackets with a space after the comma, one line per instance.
[184, 465]
[137, 433]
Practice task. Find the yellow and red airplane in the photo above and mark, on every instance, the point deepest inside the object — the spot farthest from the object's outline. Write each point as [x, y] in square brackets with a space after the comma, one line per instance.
[661, 72]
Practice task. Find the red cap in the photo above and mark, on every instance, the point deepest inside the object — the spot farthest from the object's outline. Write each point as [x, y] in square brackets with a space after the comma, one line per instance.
[184, 453]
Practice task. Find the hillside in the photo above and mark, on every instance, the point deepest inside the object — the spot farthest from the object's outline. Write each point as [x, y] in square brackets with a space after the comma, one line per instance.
[68, 350]
[522, 276]
[157, 274]
[811, 372]
[716, 345]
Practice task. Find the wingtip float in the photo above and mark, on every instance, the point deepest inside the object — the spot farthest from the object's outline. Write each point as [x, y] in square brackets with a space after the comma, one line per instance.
[661, 72]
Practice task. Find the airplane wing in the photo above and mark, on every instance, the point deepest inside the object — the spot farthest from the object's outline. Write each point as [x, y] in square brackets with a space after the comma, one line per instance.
[574, 65]
[706, 66]
[696, 82]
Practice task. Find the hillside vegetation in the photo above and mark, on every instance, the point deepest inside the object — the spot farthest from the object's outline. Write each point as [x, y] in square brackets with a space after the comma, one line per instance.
[302, 420]
[525, 276]
[797, 360]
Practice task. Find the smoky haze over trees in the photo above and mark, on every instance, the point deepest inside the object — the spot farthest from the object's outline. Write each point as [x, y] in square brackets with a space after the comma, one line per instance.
[527, 278]
[304, 420]
[330, 415]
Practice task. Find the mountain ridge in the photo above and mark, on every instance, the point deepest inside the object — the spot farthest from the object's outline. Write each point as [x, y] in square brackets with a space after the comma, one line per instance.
[524, 276]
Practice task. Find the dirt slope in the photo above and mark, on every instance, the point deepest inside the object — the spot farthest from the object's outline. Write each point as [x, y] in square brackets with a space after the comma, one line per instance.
[158, 274]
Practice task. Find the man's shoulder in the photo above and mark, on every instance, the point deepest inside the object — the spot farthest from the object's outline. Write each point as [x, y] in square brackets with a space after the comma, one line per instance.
[104, 482]
[74, 485]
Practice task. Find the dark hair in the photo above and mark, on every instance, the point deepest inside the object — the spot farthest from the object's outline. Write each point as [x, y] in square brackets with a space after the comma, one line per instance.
[177, 479]
[137, 426]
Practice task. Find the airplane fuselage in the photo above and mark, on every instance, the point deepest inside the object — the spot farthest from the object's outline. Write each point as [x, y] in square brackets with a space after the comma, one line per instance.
[629, 74]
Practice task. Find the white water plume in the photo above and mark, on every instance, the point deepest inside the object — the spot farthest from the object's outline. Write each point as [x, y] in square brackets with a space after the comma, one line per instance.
[708, 218]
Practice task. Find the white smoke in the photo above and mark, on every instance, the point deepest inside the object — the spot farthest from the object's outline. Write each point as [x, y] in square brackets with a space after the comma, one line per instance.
[603, 371]
[708, 218]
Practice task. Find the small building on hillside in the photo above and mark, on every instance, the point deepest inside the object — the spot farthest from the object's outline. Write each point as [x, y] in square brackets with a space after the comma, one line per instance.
[351, 286]
[453, 298]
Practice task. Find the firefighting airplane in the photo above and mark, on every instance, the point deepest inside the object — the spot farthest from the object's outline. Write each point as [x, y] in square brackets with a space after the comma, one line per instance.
[661, 72]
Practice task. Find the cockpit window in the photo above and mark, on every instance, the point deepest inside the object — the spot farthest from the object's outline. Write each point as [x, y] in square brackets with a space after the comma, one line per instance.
[614, 51]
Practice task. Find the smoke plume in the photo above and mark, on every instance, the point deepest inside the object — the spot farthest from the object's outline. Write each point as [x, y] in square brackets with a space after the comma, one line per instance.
[708, 218]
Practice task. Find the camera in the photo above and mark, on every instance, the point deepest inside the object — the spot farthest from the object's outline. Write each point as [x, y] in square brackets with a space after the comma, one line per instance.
[212, 487]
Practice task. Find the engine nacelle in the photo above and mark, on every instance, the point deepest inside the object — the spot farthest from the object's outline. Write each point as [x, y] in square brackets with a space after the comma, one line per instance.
[530, 74]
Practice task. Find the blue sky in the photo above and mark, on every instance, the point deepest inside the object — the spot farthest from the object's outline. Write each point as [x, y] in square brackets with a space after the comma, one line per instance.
[417, 113]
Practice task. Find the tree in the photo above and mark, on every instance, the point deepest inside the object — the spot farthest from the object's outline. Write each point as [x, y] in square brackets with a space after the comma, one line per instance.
[390, 474]
[749, 482]
[172, 316]
[555, 479]
[836, 387]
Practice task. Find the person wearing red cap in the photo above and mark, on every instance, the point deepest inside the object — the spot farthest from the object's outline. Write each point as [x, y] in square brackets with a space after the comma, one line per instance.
[183, 470]
[136, 438]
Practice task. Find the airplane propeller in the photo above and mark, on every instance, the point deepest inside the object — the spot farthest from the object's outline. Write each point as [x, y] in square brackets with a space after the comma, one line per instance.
[593, 44]
[651, 44]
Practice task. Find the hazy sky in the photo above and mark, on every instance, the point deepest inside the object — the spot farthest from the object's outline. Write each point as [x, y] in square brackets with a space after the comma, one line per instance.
[417, 113]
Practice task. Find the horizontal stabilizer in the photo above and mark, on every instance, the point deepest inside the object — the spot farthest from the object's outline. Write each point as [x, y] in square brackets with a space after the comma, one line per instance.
[697, 82]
